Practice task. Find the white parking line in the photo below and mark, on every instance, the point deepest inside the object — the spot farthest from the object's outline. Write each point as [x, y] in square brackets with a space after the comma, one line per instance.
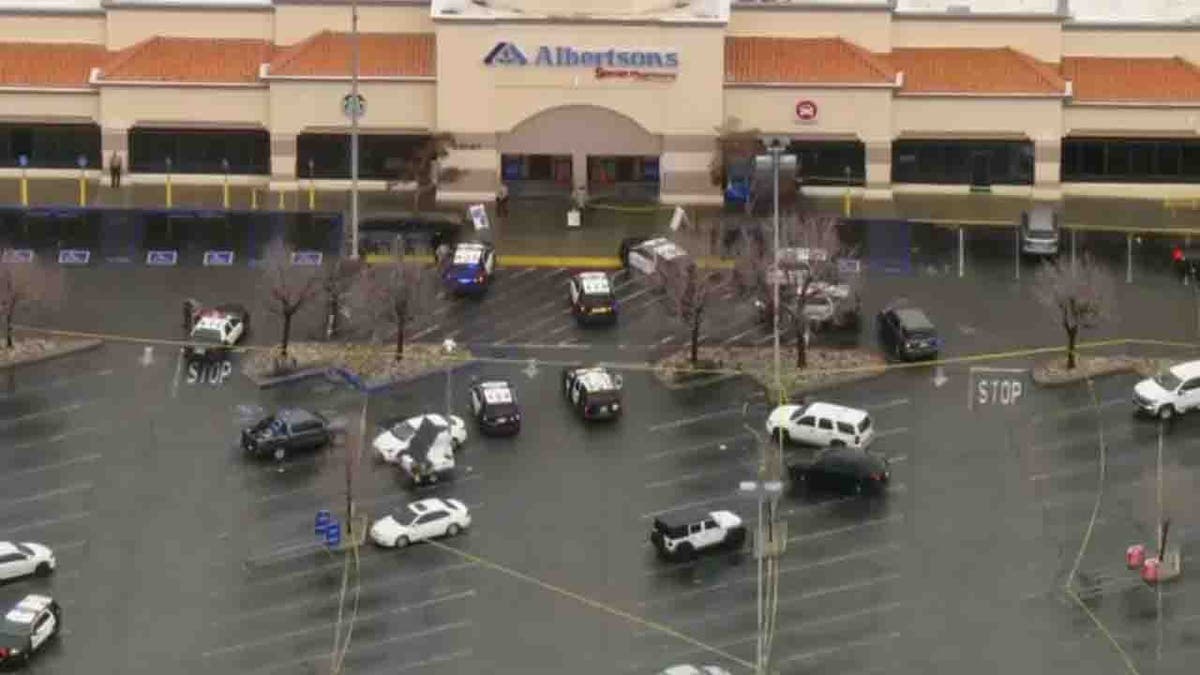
[49, 411]
[422, 333]
[688, 505]
[849, 528]
[675, 424]
[892, 432]
[824, 651]
[695, 448]
[625, 301]
[533, 327]
[434, 660]
[48, 522]
[47, 494]
[697, 475]
[287, 607]
[1059, 414]
[735, 338]
[59, 548]
[364, 646]
[56, 465]
[874, 407]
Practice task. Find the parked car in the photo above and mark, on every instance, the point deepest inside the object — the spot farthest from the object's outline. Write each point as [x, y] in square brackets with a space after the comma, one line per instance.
[907, 334]
[681, 535]
[26, 628]
[25, 558]
[592, 298]
[842, 470]
[429, 456]
[1040, 231]
[827, 306]
[287, 431]
[1173, 391]
[594, 392]
[695, 670]
[494, 404]
[822, 424]
[396, 435]
[644, 255]
[421, 521]
[216, 330]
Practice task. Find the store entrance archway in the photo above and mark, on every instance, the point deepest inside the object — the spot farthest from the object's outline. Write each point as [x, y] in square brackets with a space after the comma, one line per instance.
[580, 147]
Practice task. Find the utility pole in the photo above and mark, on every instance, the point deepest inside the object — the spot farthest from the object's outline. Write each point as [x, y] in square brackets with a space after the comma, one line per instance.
[355, 111]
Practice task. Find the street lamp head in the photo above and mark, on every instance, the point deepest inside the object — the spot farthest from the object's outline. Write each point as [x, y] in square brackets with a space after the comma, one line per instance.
[81, 161]
[167, 162]
[23, 160]
[225, 165]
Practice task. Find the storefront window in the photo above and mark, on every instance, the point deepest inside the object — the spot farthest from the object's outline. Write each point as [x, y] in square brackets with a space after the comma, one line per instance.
[380, 156]
[51, 146]
[962, 162]
[199, 151]
[829, 162]
[1131, 161]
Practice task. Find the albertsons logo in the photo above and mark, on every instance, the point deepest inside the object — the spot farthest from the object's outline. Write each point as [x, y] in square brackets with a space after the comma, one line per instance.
[509, 54]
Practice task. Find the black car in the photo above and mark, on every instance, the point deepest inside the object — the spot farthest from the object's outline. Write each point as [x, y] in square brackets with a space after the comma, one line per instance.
[842, 470]
[27, 627]
[594, 392]
[592, 298]
[288, 430]
[412, 232]
[494, 404]
[907, 334]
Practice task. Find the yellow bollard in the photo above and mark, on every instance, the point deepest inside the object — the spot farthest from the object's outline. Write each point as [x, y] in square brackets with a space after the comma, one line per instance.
[225, 195]
[170, 200]
[253, 199]
[312, 197]
[282, 204]
[24, 191]
[846, 203]
[82, 191]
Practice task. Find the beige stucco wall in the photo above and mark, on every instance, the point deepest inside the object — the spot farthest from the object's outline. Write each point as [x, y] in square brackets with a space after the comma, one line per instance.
[296, 106]
[1109, 120]
[293, 23]
[1078, 41]
[474, 97]
[130, 26]
[88, 28]
[1040, 38]
[599, 7]
[49, 106]
[865, 113]
[870, 29]
[124, 107]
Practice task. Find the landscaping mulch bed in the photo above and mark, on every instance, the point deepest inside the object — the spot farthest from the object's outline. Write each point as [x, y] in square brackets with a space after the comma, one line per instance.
[826, 368]
[34, 349]
[1054, 373]
[375, 365]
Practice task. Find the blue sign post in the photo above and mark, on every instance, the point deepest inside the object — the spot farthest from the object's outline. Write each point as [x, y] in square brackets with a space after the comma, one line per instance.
[324, 518]
[333, 534]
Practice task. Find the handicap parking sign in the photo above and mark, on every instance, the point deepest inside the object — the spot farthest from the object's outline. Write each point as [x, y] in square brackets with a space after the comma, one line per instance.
[74, 256]
[17, 255]
[162, 258]
[307, 258]
[218, 258]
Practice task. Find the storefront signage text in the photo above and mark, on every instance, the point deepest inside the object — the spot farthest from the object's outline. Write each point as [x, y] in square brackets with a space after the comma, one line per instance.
[509, 54]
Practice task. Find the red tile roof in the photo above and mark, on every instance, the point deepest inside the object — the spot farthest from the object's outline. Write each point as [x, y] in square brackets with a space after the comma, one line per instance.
[974, 71]
[50, 65]
[755, 60]
[1132, 80]
[328, 54]
[193, 60]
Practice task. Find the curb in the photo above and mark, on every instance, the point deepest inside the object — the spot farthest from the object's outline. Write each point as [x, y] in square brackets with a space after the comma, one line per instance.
[517, 260]
[86, 345]
[307, 373]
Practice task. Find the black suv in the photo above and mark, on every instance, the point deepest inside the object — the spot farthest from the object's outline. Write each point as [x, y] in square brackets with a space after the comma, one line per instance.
[495, 406]
[594, 392]
[288, 430]
[907, 334]
[591, 297]
[842, 470]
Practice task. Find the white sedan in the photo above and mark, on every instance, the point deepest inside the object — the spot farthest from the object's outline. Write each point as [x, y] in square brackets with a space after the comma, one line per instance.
[421, 520]
[694, 670]
[19, 560]
[396, 436]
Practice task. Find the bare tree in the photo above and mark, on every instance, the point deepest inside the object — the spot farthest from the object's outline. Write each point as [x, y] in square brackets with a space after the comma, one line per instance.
[25, 286]
[287, 287]
[810, 276]
[735, 144]
[422, 166]
[338, 280]
[395, 293]
[1080, 295]
[694, 283]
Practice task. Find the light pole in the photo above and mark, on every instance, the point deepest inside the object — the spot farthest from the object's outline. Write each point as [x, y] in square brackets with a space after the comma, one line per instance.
[354, 114]
[449, 345]
[776, 149]
[767, 544]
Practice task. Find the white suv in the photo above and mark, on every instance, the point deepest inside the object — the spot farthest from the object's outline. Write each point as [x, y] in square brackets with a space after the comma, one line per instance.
[1175, 390]
[823, 424]
[681, 535]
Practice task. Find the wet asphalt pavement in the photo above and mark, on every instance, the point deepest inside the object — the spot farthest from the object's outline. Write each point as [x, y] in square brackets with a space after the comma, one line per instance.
[179, 555]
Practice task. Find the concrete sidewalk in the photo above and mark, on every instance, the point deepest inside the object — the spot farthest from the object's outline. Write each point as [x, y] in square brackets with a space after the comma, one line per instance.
[539, 227]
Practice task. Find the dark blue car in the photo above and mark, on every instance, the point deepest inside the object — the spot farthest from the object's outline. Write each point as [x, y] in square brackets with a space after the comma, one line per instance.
[470, 267]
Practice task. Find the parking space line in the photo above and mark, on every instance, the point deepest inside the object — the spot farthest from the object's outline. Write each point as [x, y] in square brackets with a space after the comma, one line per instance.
[434, 660]
[55, 383]
[894, 403]
[56, 465]
[849, 528]
[58, 548]
[48, 494]
[1059, 414]
[359, 646]
[740, 335]
[287, 607]
[688, 505]
[324, 625]
[824, 651]
[422, 333]
[48, 522]
[688, 477]
[71, 407]
[694, 448]
[892, 432]
[675, 424]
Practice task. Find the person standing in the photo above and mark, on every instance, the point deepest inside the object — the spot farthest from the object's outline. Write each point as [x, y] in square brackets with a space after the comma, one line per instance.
[502, 200]
[114, 170]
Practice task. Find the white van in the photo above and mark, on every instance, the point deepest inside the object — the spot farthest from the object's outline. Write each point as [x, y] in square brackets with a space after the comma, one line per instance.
[823, 424]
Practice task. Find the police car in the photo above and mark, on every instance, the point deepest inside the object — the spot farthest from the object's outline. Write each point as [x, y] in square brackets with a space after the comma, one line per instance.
[593, 391]
[27, 627]
[217, 329]
[469, 267]
[495, 406]
[591, 297]
[644, 256]
[397, 435]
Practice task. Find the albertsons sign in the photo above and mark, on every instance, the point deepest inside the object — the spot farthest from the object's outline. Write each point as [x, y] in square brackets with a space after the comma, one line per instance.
[509, 54]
